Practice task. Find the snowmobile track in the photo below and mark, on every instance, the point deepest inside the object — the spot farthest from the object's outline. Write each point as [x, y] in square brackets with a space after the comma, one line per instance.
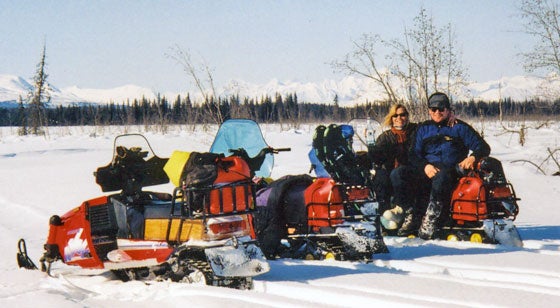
[489, 276]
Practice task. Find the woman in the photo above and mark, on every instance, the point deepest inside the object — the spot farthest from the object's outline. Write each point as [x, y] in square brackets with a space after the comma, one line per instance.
[390, 156]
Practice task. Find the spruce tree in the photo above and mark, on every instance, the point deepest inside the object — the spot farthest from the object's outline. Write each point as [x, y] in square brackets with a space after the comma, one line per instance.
[39, 98]
[22, 118]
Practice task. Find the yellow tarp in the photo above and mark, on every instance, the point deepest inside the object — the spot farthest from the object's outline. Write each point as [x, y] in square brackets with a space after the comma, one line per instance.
[174, 166]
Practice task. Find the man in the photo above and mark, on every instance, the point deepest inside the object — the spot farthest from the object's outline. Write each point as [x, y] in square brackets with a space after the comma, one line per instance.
[440, 147]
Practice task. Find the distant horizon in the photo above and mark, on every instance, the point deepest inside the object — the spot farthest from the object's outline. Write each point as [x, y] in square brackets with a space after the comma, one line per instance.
[349, 90]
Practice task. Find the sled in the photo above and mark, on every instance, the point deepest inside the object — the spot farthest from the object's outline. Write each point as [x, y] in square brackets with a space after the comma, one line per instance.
[318, 218]
[201, 232]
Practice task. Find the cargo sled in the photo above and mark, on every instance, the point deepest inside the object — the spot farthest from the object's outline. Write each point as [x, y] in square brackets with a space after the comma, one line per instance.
[201, 232]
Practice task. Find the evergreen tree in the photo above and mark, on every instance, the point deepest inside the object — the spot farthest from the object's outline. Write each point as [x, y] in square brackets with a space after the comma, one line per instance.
[39, 98]
[23, 130]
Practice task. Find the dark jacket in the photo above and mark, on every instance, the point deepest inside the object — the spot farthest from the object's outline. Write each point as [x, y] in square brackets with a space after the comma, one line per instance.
[444, 146]
[387, 148]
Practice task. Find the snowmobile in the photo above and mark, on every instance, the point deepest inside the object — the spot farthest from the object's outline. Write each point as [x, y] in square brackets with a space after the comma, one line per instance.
[202, 232]
[318, 218]
[483, 208]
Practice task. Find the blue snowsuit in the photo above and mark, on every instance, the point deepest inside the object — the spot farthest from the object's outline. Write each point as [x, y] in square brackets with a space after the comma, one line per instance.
[444, 147]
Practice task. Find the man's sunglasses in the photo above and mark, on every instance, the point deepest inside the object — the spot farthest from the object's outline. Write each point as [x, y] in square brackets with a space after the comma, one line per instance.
[402, 115]
[434, 109]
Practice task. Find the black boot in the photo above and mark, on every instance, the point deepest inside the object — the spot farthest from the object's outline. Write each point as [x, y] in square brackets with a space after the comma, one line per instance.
[429, 221]
[410, 224]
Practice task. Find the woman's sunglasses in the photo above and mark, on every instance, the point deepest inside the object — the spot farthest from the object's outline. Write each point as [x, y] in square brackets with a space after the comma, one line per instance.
[402, 115]
[434, 109]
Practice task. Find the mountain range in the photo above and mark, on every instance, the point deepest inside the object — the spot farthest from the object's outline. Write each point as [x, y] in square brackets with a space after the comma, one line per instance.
[349, 90]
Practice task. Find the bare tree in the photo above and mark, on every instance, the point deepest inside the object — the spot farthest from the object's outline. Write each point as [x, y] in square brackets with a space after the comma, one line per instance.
[363, 62]
[431, 59]
[206, 88]
[427, 59]
[38, 98]
[546, 161]
[541, 20]
[161, 107]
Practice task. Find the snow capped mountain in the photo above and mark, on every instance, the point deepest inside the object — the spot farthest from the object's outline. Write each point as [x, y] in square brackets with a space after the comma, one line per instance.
[347, 91]
[117, 95]
[11, 88]
[517, 88]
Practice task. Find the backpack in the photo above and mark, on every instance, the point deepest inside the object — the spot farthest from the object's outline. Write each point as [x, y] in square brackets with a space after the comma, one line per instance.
[334, 150]
[317, 153]
[201, 169]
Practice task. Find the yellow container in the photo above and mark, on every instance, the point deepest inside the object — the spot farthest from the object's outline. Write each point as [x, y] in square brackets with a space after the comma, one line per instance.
[156, 229]
[175, 165]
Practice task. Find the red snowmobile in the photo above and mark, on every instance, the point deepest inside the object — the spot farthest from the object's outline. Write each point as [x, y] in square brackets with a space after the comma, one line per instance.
[482, 209]
[202, 232]
[318, 218]
[331, 217]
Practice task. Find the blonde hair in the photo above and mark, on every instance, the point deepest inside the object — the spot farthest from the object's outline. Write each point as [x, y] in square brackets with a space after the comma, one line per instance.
[392, 111]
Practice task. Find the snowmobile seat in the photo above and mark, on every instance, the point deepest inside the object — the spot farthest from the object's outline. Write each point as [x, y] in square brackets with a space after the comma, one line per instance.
[491, 171]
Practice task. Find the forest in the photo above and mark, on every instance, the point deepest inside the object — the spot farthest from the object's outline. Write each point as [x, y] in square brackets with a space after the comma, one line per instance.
[279, 109]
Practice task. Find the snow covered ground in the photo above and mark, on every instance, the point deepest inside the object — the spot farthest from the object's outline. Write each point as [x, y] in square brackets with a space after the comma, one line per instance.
[40, 177]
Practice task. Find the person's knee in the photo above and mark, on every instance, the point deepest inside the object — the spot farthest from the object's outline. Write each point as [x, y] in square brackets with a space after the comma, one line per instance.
[399, 175]
[443, 183]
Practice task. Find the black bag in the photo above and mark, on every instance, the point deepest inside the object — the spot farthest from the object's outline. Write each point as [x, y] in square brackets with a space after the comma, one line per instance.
[280, 204]
[201, 169]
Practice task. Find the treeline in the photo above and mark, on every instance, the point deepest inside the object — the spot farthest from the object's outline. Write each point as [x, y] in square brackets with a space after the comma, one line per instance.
[277, 109]
[510, 108]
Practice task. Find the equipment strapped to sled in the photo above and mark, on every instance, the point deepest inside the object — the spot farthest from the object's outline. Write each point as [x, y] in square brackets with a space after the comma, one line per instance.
[333, 147]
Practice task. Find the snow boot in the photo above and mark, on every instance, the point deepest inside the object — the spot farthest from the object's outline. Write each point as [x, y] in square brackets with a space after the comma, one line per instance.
[391, 219]
[430, 219]
[410, 224]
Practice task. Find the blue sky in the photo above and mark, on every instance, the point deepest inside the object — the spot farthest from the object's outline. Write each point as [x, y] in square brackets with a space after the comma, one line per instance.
[105, 44]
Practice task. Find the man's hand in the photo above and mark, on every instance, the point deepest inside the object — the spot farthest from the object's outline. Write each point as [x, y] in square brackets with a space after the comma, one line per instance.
[431, 170]
[467, 163]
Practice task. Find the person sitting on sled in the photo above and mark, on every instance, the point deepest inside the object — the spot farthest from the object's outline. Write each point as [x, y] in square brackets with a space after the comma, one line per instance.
[390, 155]
[440, 149]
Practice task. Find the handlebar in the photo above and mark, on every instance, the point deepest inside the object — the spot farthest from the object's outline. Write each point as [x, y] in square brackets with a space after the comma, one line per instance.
[241, 152]
[276, 151]
[256, 162]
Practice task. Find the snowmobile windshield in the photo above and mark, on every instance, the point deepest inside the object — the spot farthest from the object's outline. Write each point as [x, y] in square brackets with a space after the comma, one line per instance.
[134, 165]
[246, 134]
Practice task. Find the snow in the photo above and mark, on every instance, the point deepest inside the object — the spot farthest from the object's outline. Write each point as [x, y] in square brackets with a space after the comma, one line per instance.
[41, 176]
